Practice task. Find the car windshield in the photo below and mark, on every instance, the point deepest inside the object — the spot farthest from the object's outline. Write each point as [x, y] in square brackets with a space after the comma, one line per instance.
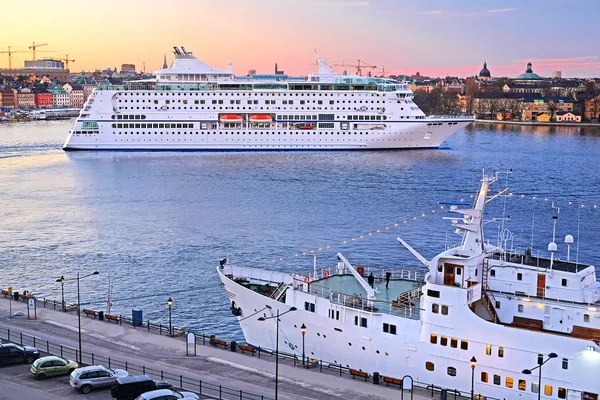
[19, 347]
[179, 395]
[37, 362]
[111, 371]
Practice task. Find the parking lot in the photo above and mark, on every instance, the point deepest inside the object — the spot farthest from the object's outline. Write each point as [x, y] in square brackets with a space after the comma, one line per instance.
[55, 387]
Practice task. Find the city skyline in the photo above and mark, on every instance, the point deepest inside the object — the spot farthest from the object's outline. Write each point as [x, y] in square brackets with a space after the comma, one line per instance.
[436, 39]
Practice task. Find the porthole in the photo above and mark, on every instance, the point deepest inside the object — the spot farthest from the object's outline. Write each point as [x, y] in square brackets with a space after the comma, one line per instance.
[349, 344]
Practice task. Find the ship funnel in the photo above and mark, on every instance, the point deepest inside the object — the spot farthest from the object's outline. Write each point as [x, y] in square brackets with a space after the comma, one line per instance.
[184, 51]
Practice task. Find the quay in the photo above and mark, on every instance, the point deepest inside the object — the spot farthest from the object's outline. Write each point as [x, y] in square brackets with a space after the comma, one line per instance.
[213, 365]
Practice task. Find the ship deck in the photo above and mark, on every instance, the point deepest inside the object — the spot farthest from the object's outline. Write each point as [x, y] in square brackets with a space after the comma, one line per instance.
[349, 285]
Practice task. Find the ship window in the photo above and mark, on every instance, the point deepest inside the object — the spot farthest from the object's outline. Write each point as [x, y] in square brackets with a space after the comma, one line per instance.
[564, 282]
[337, 315]
[363, 322]
[356, 320]
[509, 382]
[464, 345]
[565, 363]
[435, 308]
[500, 351]
[429, 366]
[522, 384]
[433, 339]
[433, 293]
[497, 379]
[444, 341]
[520, 307]
[535, 387]
[488, 349]
[497, 304]
[451, 371]
[309, 306]
[458, 271]
[454, 343]
[444, 310]
[493, 272]
[519, 276]
[586, 317]
[548, 390]
[484, 377]
[389, 328]
[562, 393]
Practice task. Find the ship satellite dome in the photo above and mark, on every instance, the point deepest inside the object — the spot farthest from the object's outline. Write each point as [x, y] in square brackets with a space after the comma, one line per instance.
[552, 247]
[569, 239]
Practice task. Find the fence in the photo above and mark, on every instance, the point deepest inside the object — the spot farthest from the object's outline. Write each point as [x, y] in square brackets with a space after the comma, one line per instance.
[180, 381]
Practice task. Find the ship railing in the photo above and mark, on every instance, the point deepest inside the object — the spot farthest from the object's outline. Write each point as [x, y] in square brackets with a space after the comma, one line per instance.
[408, 274]
[238, 273]
[461, 116]
[158, 87]
[406, 305]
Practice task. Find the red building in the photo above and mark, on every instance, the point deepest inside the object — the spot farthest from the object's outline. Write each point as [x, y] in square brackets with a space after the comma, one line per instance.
[9, 97]
[43, 100]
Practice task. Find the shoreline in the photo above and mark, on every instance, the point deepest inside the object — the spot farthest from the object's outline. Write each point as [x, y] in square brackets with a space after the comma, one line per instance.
[569, 124]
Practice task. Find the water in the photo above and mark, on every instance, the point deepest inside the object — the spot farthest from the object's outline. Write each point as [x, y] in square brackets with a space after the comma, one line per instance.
[159, 222]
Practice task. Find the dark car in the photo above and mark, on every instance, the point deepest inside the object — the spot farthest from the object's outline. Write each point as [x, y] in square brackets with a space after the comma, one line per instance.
[11, 353]
[132, 386]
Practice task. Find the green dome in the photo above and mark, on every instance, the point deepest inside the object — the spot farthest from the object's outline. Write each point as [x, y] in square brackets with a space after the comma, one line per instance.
[529, 74]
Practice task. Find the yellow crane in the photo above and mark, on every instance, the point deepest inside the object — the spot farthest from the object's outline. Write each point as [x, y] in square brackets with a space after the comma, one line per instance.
[34, 46]
[10, 53]
[359, 65]
[66, 60]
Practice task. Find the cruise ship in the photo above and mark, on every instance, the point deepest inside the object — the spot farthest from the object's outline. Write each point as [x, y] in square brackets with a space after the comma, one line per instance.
[477, 319]
[191, 106]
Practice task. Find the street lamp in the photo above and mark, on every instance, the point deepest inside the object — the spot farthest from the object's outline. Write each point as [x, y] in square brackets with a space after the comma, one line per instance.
[170, 304]
[276, 342]
[539, 367]
[303, 330]
[62, 289]
[473, 365]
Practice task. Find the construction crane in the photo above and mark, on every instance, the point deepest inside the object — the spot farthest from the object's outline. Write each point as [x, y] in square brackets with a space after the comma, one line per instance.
[34, 46]
[10, 53]
[359, 66]
[66, 60]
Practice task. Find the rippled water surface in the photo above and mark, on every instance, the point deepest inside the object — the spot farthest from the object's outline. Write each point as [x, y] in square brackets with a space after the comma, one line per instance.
[159, 222]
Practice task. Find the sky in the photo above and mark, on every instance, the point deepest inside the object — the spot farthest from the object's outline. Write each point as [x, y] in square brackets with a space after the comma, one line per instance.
[434, 37]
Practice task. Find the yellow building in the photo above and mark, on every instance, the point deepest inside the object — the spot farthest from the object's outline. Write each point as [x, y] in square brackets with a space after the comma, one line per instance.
[565, 116]
[543, 118]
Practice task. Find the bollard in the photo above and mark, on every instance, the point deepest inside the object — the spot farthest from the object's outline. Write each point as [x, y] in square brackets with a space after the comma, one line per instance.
[93, 363]
[232, 346]
[376, 378]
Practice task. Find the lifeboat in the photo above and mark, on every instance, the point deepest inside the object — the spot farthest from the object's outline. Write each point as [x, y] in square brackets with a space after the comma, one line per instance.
[231, 118]
[305, 126]
[260, 118]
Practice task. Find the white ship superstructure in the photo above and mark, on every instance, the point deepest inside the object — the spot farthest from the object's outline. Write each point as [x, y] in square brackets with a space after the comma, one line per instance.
[192, 106]
[509, 311]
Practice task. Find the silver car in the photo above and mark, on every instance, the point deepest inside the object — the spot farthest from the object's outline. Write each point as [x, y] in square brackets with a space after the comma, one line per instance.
[167, 394]
[95, 376]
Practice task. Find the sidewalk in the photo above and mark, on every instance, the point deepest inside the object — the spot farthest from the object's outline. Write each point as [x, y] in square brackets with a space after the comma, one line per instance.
[214, 365]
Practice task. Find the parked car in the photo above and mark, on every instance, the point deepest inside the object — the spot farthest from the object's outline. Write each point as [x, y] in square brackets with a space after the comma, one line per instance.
[52, 365]
[130, 387]
[167, 394]
[13, 353]
[96, 376]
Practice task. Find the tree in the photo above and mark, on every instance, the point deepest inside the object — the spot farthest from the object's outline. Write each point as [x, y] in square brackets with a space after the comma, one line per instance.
[471, 91]
[552, 109]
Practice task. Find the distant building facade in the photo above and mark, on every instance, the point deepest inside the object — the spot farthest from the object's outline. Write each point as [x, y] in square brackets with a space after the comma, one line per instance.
[60, 97]
[25, 98]
[45, 63]
[533, 108]
[567, 116]
[9, 97]
[557, 75]
[43, 99]
[592, 108]
[128, 69]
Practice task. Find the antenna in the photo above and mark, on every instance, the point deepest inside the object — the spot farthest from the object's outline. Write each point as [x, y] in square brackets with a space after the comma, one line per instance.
[532, 223]
[578, 240]
[552, 246]
[568, 242]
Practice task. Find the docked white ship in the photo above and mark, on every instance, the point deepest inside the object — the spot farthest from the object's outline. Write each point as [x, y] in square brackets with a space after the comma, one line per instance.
[480, 312]
[192, 106]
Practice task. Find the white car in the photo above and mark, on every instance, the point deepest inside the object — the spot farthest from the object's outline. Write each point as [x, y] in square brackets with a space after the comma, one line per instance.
[87, 378]
[167, 394]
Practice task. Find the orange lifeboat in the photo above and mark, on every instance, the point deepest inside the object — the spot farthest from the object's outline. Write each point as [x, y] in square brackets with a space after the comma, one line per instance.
[260, 118]
[231, 118]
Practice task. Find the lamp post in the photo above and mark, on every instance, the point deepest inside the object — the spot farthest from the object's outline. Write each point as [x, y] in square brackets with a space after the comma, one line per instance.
[303, 330]
[170, 304]
[473, 365]
[79, 309]
[276, 342]
[62, 289]
[539, 367]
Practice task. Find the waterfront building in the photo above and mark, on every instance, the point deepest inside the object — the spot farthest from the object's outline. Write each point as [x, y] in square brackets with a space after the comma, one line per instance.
[9, 97]
[88, 88]
[60, 97]
[484, 74]
[592, 108]
[424, 87]
[58, 74]
[487, 105]
[76, 96]
[43, 99]
[567, 116]
[543, 117]
[557, 75]
[25, 98]
[534, 108]
[127, 69]
[45, 63]
[0, 99]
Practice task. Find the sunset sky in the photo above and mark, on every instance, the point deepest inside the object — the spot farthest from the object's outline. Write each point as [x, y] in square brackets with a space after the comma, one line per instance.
[434, 37]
